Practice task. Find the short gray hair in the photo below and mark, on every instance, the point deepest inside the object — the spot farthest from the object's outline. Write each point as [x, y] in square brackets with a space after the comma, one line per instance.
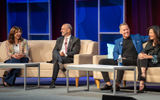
[69, 26]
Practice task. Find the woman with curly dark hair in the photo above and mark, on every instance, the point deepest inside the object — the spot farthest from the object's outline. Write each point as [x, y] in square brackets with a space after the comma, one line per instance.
[150, 56]
[17, 52]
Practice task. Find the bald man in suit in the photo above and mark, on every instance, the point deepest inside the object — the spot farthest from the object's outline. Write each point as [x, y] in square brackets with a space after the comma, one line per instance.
[65, 49]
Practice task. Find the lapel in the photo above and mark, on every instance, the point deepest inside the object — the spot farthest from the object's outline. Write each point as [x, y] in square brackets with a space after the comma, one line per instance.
[61, 42]
[121, 45]
[20, 47]
[70, 43]
[11, 48]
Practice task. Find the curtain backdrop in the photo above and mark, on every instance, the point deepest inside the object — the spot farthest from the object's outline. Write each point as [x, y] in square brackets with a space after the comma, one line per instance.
[3, 21]
[140, 14]
[62, 12]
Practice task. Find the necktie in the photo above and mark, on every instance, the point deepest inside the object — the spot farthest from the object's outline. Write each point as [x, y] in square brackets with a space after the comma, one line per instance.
[66, 46]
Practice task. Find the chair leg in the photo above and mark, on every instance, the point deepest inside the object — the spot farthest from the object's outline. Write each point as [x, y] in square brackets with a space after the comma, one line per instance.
[77, 81]
[124, 83]
[97, 81]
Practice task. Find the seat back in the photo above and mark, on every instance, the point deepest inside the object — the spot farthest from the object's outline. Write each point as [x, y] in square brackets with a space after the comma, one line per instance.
[41, 50]
[89, 47]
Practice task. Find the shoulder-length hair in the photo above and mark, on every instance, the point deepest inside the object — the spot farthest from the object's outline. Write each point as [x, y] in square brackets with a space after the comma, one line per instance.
[12, 32]
[156, 30]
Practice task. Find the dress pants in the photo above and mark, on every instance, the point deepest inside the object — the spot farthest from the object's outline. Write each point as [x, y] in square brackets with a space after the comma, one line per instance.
[144, 63]
[13, 73]
[57, 59]
[120, 73]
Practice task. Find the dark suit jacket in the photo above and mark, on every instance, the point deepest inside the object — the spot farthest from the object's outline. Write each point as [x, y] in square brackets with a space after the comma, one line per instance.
[73, 46]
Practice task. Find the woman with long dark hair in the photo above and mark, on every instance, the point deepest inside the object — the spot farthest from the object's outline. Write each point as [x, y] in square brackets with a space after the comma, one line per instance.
[17, 52]
[150, 56]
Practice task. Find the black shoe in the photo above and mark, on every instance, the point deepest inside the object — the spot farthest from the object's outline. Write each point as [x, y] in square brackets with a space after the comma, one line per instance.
[64, 69]
[52, 85]
[117, 88]
[61, 66]
[49, 61]
[106, 87]
[142, 90]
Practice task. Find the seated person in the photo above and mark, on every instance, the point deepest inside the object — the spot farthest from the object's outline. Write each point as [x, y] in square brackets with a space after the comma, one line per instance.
[17, 51]
[65, 49]
[129, 46]
[150, 56]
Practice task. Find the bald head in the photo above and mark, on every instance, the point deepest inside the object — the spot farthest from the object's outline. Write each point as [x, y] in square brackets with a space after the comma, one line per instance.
[69, 26]
[66, 29]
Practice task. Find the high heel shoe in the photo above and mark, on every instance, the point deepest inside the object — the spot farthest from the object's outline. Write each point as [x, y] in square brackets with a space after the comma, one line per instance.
[4, 83]
[142, 90]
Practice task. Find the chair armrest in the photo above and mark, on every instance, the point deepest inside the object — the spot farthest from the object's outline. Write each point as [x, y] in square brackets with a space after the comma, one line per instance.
[97, 58]
[83, 59]
[1, 60]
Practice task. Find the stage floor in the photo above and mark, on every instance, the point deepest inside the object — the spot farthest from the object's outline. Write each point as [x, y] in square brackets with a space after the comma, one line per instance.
[60, 92]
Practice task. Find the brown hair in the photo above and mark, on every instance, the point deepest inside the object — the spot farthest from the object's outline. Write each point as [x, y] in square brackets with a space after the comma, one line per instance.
[12, 32]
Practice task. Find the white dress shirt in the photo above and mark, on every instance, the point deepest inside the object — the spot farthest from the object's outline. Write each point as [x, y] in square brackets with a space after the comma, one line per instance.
[63, 45]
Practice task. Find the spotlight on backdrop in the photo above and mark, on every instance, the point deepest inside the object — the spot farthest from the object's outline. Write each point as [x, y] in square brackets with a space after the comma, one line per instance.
[111, 97]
